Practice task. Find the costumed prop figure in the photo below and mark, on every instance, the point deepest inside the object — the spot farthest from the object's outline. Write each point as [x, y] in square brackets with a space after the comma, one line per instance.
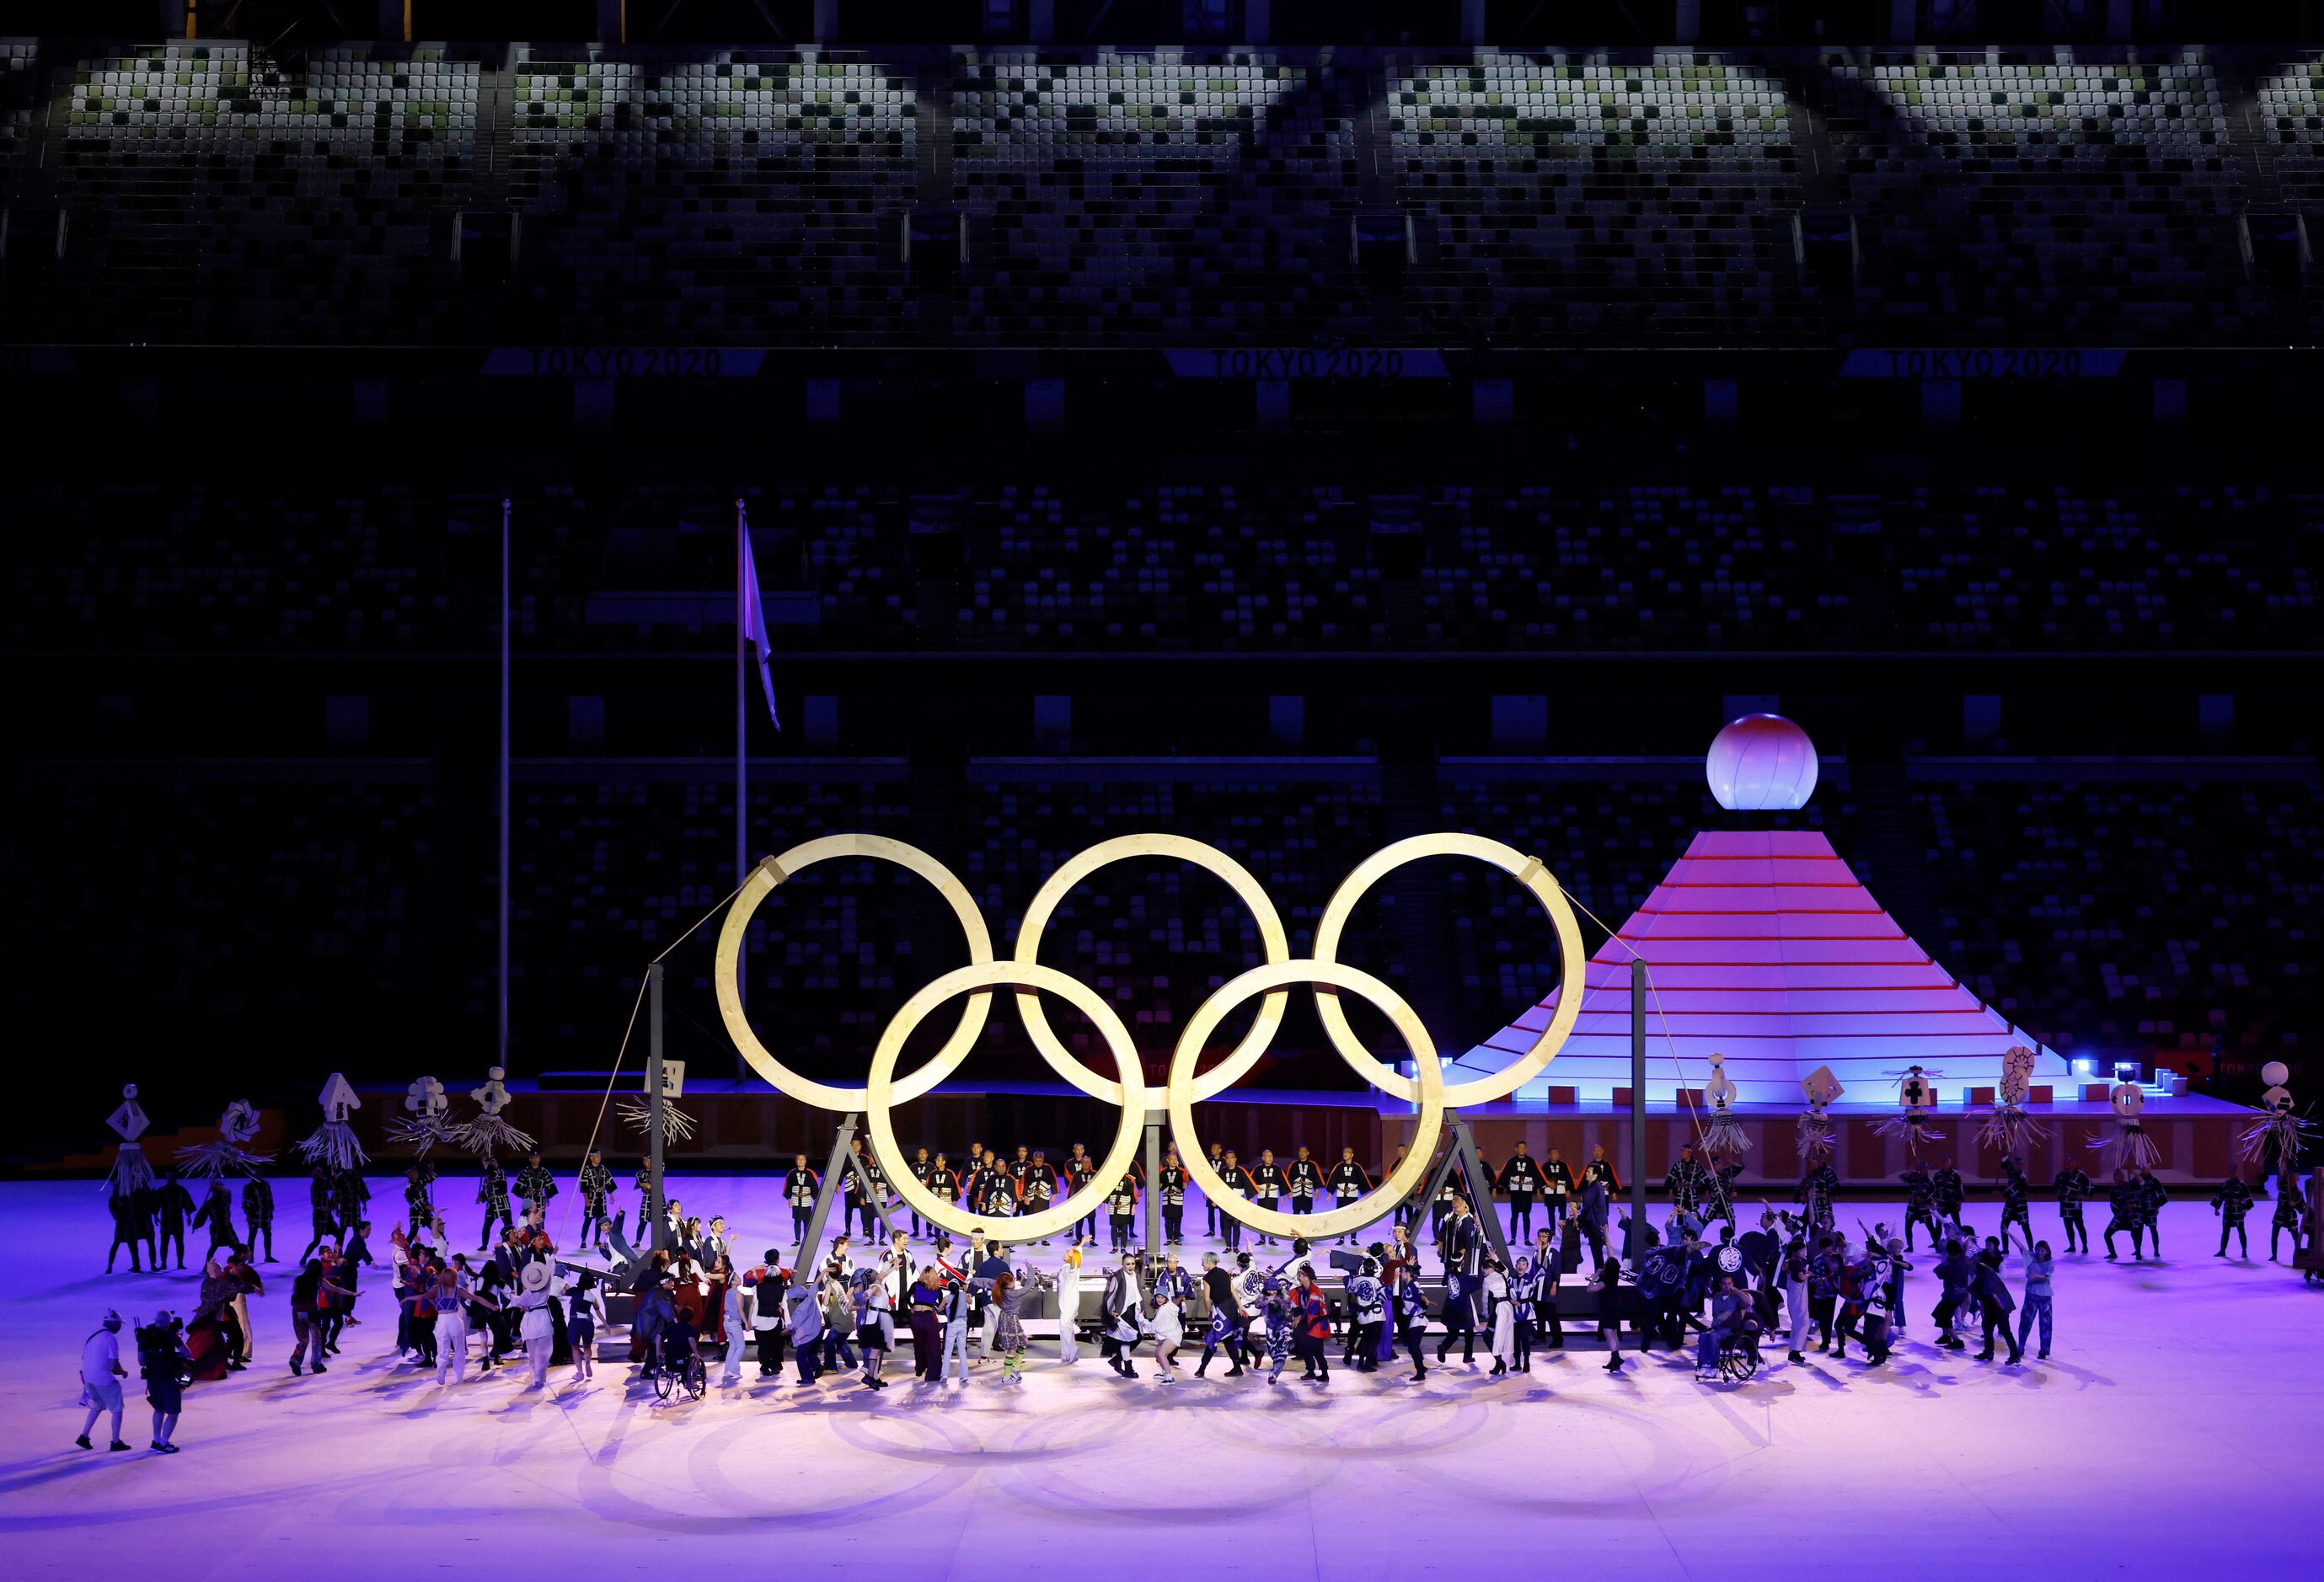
[488, 1133]
[422, 1125]
[1918, 1097]
[2286, 1130]
[130, 1174]
[1815, 1131]
[228, 1155]
[2133, 1148]
[2010, 1130]
[334, 1142]
[1723, 1138]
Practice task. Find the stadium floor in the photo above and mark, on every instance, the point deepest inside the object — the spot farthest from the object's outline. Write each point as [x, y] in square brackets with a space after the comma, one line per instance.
[2167, 1433]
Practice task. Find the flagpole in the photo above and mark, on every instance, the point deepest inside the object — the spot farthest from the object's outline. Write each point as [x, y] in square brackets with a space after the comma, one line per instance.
[504, 1042]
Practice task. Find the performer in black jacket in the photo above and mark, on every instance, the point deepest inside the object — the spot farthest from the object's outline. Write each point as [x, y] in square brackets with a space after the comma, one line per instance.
[1919, 1205]
[1079, 1170]
[1171, 1183]
[493, 1192]
[173, 1209]
[2152, 1199]
[1217, 1157]
[595, 1185]
[2290, 1212]
[2073, 1186]
[258, 1214]
[1305, 1179]
[1520, 1179]
[2231, 1203]
[799, 1188]
[1040, 1188]
[1239, 1179]
[1946, 1184]
[2129, 1213]
[1557, 1190]
[535, 1185]
[1229, 1323]
[1464, 1280]
[1267, 1186]
[1348, 1182]
[2016, 1189]
[1686, 1179]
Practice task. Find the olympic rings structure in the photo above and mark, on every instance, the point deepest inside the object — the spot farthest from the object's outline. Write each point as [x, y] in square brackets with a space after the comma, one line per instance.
[1326, 976]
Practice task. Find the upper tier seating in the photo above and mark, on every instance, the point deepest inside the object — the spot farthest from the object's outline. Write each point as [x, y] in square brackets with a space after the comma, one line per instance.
[1169, 197]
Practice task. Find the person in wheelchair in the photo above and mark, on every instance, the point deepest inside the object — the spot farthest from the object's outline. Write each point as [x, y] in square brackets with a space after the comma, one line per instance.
[677, 1345]
[656, 1317]
[1732, 1327]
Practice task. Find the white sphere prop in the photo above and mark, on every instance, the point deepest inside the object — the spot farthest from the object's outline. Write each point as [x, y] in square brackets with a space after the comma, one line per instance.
[2275, 1073]
[1761, 762]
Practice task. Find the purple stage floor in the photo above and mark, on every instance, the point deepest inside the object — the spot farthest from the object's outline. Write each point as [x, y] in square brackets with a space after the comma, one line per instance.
[2170, 1435]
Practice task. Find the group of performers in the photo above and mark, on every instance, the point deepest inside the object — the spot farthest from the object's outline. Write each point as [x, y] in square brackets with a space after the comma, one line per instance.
[1699, 1281]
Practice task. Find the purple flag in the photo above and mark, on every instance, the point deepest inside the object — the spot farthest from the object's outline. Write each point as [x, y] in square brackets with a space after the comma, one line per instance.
[754, 620]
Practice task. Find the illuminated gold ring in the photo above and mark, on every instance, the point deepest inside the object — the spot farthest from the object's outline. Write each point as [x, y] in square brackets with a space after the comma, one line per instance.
[1382, 1200]
[1528, 872]
[1121, 848]
[773, 871]
[880, 1086]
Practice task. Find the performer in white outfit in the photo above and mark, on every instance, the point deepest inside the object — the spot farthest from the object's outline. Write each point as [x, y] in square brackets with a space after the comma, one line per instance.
[537, 1328]
[1505, 1315]
[1069, 1301]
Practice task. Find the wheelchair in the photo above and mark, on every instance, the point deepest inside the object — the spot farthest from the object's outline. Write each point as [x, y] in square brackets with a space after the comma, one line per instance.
[679, 1370]
[1738, 1355]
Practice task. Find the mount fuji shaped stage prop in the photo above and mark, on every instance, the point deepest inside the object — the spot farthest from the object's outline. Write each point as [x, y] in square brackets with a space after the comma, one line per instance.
[1764, 947]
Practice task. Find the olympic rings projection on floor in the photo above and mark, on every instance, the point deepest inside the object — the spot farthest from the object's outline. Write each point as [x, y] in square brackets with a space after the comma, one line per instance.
[1023, 972]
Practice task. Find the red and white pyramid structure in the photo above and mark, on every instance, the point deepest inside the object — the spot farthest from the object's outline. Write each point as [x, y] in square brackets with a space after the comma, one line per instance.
[1763, 946]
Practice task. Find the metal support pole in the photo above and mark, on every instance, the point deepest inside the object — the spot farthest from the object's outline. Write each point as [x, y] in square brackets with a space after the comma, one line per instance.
[1636, 1243]
[1153, 1187]
[656, 1232]
[742, 758]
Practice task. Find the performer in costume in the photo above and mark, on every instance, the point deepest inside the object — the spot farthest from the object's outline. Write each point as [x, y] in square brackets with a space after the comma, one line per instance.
[1267, 1186]
[1686, 1179]
[2015, 1194]
[1368, 1298]
[319, 1195]
[2152, 1198]
[493, 1192]
[1238, 1179]
[1119, 1309]
[1171, 1183]
[1407, 1316]
[1121, 1211]
[1815, 1191]
[1464, 1270]
[2291, 1212]
[1520, 1181]
[1557, 1190]
[2072, 1186]
[258, 1213]
[174, 1208]
[595, 1184]
[799, 1189]
[2128, 1206]
[1920, 1203]
[1039, 1188]
[1219, 1159]
[1229, 1322]
[2231, 1203]
[217, 1212]
[943, 1181]
[1305, 1179]
[1946, 1186]
[1348, 1182]
[1080, 1170]
[1311, 1326]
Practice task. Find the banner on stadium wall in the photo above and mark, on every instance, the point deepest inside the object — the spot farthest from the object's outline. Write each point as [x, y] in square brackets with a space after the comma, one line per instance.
[627, 362]
[1350, 362]
[1980, 362]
